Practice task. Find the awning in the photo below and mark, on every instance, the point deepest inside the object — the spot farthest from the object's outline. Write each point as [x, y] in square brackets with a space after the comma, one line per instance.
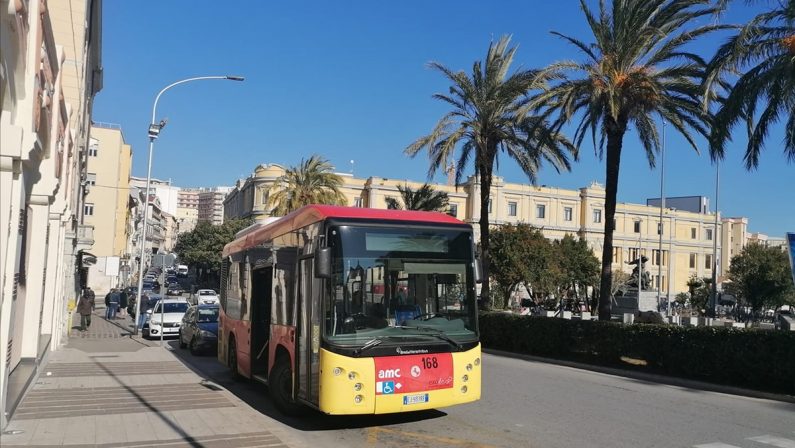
[86, 259]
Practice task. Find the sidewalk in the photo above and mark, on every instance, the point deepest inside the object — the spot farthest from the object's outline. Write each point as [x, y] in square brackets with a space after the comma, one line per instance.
[108, 389]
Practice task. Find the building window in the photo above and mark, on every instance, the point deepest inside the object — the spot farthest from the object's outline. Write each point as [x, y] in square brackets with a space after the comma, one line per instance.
[659, 228]
[597, 216]
[657, 259]
[637, 226]
[708, 261]
[453, 210]
[617, 254]
[357, 202]
[93, 149]
[692, 233]
[391, 203]
[91, 179]
[693, 261]
[709, 234]
[567, 214]
[489, 206]
[88, 209]
[541, 211]
[512, 209]
[264, 196]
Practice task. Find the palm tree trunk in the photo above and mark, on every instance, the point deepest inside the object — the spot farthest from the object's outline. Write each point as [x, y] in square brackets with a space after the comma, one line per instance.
[614, 142]
[485, 258]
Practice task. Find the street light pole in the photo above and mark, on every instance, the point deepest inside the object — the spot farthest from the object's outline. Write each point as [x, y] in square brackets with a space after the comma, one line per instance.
[154, 132]
[660, 226]
[714, 298]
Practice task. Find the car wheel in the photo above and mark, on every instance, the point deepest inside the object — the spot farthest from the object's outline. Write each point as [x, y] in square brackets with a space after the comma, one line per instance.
[280, 386]
[231, 360]
[194, 348]
[181, 341]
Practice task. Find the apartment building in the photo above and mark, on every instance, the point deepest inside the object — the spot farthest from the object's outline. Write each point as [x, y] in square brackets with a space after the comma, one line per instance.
[107, 204]
[187, 209]
[687, 235]
[166, 192]
[211, 204]
[50, 54]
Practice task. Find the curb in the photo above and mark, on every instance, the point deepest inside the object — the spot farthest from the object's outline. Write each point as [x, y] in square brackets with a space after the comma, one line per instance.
[649, 377]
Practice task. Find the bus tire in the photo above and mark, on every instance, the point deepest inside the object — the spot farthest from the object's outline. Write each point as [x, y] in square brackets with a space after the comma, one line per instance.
[231, 360]
[280, 386]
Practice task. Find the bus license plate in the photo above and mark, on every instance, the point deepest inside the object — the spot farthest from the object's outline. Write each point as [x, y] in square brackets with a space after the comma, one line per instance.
[415, 399]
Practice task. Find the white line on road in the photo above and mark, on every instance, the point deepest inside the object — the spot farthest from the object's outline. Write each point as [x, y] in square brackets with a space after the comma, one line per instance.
[715, 445]
[779, 442]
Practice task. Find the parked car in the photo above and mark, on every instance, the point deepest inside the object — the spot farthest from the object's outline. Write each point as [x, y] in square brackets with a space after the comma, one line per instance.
[172, 279]
[199, 329]
[166, 317]
[206, 297]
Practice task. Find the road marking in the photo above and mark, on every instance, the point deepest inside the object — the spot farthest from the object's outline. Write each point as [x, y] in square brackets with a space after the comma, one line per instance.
[715, 445]
[779, 442]
[372, 437]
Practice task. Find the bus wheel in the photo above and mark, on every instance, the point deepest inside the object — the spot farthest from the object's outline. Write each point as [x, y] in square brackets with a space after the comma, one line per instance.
[280, 386]
[231, 359]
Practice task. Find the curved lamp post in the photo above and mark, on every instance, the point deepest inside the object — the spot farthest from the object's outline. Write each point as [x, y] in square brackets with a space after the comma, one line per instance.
[154, 132]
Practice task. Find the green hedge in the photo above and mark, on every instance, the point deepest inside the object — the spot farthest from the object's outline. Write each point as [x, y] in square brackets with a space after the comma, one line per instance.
[758, 359]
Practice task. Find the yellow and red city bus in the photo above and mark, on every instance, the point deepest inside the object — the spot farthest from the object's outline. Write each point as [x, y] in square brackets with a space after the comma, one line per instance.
[354, 310]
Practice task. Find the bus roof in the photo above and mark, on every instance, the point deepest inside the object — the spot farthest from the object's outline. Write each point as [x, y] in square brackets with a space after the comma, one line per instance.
[309, 214]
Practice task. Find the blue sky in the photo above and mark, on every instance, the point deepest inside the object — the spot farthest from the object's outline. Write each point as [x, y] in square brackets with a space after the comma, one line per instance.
[349, 80]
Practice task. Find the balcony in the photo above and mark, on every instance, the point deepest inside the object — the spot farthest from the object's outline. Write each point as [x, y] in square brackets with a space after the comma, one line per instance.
[85, 236]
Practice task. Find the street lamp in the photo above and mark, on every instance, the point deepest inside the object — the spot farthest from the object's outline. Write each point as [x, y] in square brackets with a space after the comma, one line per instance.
[153, 133]
[660, 226]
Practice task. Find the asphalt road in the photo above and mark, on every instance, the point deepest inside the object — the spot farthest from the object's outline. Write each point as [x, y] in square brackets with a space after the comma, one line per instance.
[532, 404]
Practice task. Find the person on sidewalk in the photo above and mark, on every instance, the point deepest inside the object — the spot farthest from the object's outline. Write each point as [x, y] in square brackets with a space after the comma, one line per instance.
[123, 303]
[107, 305]
[114, 303]
[84, 307]
[90, 294]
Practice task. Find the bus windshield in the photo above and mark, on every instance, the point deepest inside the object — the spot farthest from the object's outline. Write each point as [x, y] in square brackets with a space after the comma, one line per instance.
[397, 283]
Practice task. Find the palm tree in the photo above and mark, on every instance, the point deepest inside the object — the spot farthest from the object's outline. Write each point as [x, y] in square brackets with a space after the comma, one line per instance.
[637, 69]
[310, 182]
[425, 198]
[488, 118]
[766, 47]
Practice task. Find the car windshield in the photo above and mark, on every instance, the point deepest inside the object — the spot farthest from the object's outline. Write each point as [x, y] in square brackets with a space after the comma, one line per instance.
[207, 315]
[399, 284]
[179, 307]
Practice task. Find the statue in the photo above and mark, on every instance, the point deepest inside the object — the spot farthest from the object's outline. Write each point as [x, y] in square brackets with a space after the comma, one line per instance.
[640, 276]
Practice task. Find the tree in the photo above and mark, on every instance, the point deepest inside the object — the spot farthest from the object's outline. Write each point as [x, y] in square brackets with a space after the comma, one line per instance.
[700, 290]
[578, 267]
[312, 181]
[638, 69]
[202, 247]
[425, 198]
[765, 47]
[760, 276]
[488, 117]
[522, 255]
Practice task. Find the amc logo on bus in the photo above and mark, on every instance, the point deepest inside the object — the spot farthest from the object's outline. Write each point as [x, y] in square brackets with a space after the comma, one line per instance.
[416, 373]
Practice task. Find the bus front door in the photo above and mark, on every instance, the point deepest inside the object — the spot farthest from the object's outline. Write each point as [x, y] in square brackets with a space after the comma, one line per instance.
[308, 349]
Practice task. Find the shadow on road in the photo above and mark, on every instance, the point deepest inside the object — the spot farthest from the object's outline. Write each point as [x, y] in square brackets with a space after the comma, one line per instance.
[256, 395]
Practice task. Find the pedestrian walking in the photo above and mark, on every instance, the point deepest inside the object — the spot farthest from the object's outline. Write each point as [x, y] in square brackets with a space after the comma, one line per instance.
[107, 305]
[84, 307]
[88, 292]
[114, 303]
[123, 302]
[141, 313]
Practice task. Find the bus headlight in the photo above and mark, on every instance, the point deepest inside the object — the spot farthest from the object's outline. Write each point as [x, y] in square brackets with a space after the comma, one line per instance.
[337, 371]
[465, 378]
[469, 367]
[358, 399]
[463, 389]
[352, 376]
[477, 361]
[357, 387]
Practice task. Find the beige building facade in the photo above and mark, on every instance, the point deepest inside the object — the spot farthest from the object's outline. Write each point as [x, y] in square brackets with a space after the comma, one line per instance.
[50, 70]
[687, 237]
[107, 204]
[187, 209]
[211, 204]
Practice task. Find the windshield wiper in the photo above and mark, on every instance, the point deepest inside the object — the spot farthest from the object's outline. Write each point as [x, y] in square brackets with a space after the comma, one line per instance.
[368, 345]
[437, 334]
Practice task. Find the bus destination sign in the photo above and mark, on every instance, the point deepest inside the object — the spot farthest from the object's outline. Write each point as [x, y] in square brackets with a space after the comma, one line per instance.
[414, 373]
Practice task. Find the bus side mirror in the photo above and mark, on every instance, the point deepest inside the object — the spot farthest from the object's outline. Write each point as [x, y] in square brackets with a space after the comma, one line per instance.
[478, 271]
[323, 262]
